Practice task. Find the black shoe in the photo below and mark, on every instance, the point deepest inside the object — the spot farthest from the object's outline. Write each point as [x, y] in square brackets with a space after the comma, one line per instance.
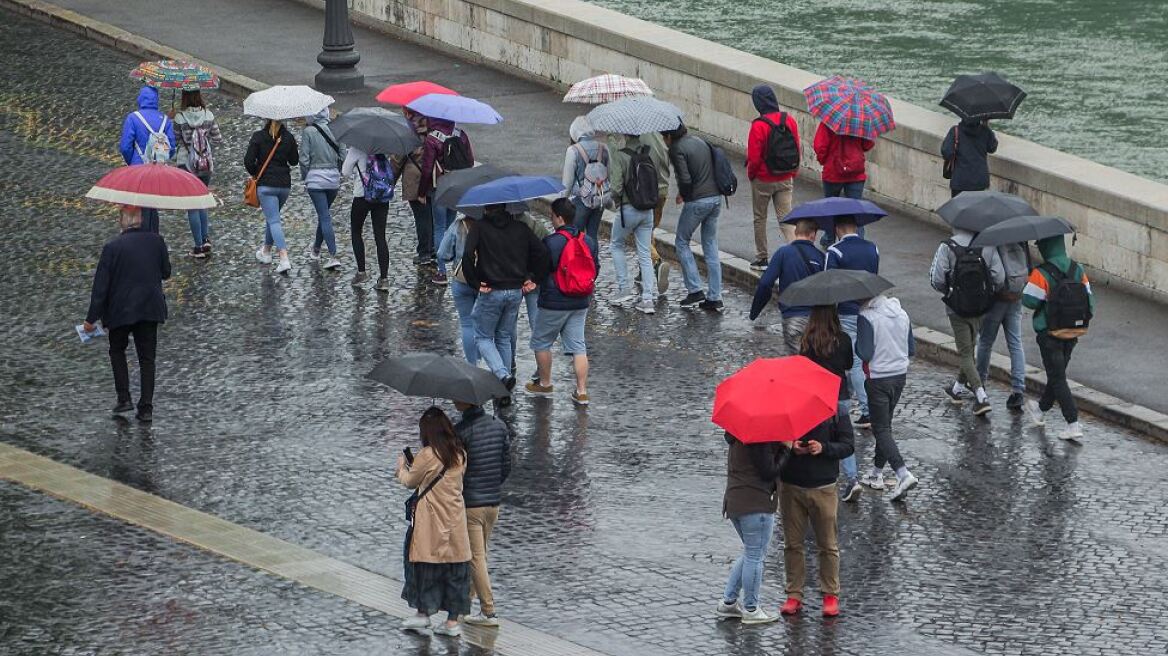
[504, 402]
[712, 306]
[123, 407]
[692, 299]
[982, 408]
[1015, 401]
[198, 253]
[509, 383]
[759, 265]
[145, 416]
[864, 422]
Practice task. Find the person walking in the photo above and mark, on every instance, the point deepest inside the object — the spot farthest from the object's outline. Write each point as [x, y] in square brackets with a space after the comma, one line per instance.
[320, 168]
[844, 166]
[969, 278]
[127, 299]
[445, 148]
[693, 166]
[488, 463]
[564, 312]
[410, 168]
[530, 294]
[373, 181]
[633, 173]
[196, 135]
[807, 496]
[750, 502]
[1060, 295]
[585, 176]
[772, 162]
[1006, 314]
[659, 155]
[437, 544]
[852, 251]
[450, 252]
[884, 341]
[270, 156]
[967, 147]
[791, 263]
[147, 136]
[825, 343]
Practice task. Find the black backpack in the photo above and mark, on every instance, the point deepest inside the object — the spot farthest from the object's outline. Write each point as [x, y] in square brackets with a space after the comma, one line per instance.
[724, 178]
[971, 291]
[782, 151]
[454, 154]
[1068, 304]
[641, 180]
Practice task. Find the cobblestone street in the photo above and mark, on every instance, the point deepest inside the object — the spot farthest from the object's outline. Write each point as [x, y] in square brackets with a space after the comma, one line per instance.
[611, 534]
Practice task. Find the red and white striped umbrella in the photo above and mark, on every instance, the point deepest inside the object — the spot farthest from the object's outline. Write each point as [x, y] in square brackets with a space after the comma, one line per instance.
[153, 185]
[606, 88]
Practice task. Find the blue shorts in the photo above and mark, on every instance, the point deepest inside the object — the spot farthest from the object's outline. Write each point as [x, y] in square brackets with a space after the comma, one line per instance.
[568, 325]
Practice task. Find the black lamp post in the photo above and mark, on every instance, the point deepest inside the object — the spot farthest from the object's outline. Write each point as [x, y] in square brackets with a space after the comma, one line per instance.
[338, 58]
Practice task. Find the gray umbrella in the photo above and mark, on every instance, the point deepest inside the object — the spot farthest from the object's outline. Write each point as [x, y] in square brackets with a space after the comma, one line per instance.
[1021, 229]
[376, 130]
[974, 211]
[453, 185]
[834, 286]
[635, 115]
[439, 376]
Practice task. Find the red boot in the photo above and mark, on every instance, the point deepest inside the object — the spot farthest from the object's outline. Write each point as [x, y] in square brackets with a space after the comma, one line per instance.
[791, 606]
[830, 605]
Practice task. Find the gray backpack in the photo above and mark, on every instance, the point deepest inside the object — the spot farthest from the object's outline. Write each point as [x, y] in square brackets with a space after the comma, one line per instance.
[594, 189]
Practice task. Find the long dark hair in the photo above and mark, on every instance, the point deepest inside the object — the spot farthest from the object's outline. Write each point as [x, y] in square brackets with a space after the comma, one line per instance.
[192, 98]
[438, 433]
[823, 332]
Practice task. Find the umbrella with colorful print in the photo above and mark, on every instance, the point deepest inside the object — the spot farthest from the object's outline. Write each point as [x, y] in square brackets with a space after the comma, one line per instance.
[850, 107]
[175, 74]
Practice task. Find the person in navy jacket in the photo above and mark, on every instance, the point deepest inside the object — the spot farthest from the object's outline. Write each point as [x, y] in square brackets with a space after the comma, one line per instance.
[790, 264]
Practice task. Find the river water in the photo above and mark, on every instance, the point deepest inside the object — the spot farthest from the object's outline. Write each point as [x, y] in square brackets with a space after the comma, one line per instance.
[1096, 70]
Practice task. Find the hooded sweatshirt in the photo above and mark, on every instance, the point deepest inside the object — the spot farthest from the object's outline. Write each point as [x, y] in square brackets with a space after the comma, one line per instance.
[768, 107]
[974, 141]
[884, 337]
[834, 150]
[320, 163]
[135, 134]
[502, 253]
[944, 259]
[1054, 251]
[187, 122]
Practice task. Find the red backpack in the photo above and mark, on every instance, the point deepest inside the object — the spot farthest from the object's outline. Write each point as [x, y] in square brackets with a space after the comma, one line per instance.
[576, 274]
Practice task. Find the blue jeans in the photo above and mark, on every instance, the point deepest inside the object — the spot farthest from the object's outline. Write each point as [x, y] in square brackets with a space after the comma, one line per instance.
[443, 216]
[464, 302]
[847, 190]
[848, 465]
[199, 219]
[322, 200]
[1008, 315]
[755, 530]
[272, 200]
[587, 219]
[532, 302]
[494, 315]
[703, 212]
[640, 224]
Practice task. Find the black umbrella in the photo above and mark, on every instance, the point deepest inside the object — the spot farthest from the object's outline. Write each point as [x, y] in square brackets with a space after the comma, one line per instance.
[439, 376]
[376, 130]
[984, 96]
[974, 211]
[1021, 229]
[453, 185]
[834, 286]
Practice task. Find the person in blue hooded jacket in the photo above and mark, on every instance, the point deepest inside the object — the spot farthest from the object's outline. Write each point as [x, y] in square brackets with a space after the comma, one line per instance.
[136, 130]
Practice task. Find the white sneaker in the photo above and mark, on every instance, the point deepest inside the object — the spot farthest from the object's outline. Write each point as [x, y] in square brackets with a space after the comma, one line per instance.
[313, 254]
[756, 616]
[622, 300]
[1037, 416]
[647, 307]
[903, 486]
[447, 630]
[662, 277]
[728, 611]
[1072, 433]
[332, 263]
[478, 619]
[264, 258]
[416, 623]
[285, 266]
[876, 482]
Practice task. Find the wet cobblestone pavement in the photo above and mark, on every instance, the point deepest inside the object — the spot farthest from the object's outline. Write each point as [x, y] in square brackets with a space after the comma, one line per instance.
[611, 534]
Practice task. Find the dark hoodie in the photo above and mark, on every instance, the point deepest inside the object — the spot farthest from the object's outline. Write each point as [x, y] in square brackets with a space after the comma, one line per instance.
[502, 253]
[135, 134]
[768, 107]
[974, 142]
[1040, 284]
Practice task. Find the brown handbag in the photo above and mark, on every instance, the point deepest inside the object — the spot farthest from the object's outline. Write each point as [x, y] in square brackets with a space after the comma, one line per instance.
[251, 195]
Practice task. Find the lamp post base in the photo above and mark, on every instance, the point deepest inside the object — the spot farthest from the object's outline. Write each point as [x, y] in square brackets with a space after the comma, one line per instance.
[339, 80]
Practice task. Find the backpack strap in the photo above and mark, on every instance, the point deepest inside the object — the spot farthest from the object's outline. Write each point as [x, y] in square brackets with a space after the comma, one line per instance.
[335, 147]
[806, 260]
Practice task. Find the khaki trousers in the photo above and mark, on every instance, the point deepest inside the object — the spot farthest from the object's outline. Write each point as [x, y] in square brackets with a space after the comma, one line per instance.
[479, 524]
[763, 194]
[965, 331]
[817, 506]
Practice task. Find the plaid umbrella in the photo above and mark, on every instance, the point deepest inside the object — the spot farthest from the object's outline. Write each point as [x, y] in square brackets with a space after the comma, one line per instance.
[850, 107]
[175, 74]
[606, 88]
[635, 115]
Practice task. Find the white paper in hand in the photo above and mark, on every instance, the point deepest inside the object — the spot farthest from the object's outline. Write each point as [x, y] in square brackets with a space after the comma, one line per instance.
[86, 336]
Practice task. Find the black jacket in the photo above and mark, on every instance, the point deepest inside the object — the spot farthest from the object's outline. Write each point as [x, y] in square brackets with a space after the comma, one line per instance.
[810, 471]
[971, 170]
[279, 172]
[751, 472]
[127, 287]
[488, 457]
[502, 253]
[838, 363]
[549, 294]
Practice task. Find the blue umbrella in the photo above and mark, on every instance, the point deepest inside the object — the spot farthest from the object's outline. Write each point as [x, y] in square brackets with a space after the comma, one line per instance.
[511, 189]
[458, 109]
[824, 211]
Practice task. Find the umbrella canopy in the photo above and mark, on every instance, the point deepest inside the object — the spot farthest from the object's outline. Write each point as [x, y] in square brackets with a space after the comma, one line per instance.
[376, 130]
[153, 185]
[407, 92]
[281, 103]
[511, 189]
[834, 286]
[825, 210]
[606, 88]
[850, 107]
[984, 96]
[439, 376]
[175, 74]
[635, 115]
[453, 185]
[776, 399]
[975, 211]
[1022, 229]
[458, 109]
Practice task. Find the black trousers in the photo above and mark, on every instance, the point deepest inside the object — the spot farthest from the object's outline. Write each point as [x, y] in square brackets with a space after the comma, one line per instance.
[146, 344]
[424, 227]
[380, 211]
[883, 395]
[1056, 356]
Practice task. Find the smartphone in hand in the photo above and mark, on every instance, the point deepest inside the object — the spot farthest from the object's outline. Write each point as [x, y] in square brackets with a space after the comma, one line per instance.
[409, 454]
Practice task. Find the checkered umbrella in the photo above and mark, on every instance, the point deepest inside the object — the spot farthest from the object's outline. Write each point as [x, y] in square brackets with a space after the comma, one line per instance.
[606, 88]
[635, 115]
[175, 74]
[850, 107]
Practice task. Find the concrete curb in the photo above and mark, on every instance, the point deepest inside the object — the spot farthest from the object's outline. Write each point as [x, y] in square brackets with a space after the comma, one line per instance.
[933, 345]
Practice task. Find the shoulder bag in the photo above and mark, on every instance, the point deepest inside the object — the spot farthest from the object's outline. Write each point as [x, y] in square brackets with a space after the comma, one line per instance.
[947, 169]
[251, 194]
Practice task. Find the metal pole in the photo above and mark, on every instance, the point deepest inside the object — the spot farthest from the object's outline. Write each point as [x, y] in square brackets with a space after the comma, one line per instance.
[338, 57]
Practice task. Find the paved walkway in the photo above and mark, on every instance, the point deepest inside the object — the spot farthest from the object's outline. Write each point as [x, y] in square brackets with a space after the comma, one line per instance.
[276, 41]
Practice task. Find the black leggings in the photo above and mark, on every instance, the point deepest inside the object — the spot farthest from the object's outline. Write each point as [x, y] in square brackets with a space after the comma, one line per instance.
[380, 211]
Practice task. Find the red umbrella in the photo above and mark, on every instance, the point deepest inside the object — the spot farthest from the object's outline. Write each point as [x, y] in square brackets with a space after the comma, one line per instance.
[153, 185]
[776, 399]
[407, 92]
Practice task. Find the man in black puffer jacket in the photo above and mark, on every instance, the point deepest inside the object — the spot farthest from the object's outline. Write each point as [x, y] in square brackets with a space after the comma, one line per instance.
[488, 463]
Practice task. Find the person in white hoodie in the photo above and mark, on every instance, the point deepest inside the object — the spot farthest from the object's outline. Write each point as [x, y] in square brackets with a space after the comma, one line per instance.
[320, 167]
[884, 342]
[196, 134]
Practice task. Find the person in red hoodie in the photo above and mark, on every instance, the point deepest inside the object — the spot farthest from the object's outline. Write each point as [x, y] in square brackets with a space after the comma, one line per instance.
[843, 159]
[771, 165]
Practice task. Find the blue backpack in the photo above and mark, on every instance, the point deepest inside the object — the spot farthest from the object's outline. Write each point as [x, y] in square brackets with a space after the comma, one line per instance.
[379, 181]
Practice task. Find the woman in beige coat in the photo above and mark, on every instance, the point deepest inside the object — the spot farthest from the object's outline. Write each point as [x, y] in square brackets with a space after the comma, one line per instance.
[437, 563]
